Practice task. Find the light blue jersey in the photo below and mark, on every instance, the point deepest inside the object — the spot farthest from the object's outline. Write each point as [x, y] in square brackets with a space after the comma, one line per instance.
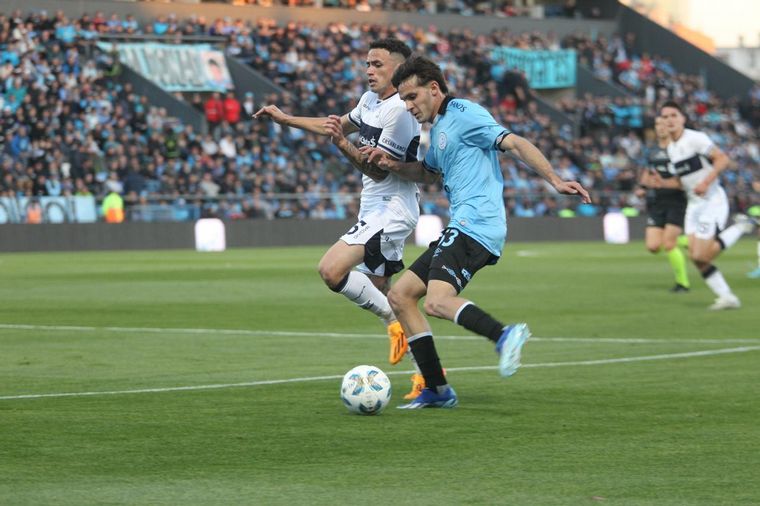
[463, 148]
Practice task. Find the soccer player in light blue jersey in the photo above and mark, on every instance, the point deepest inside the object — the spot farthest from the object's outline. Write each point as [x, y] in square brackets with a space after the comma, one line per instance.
[464, 144]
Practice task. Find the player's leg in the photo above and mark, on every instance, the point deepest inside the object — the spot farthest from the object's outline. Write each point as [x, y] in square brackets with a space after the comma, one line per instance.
[702, 252]
[399, 346]
[404, 298]
[335, 268]
[653, 238]
[703, 221]
[383, 258]
[455, 263]
[676, 257]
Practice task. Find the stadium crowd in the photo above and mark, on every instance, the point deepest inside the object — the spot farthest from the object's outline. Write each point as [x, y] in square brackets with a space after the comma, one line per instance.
[70, 127]
[501, 8]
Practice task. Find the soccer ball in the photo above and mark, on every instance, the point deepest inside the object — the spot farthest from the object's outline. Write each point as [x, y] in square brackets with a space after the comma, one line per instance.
[366, 390]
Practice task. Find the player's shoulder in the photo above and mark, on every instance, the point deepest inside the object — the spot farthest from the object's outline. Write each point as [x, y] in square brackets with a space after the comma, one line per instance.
[464, 109]
[368, 97]
[690, 135]
[461, 105]
[394, 109]
[394, 102]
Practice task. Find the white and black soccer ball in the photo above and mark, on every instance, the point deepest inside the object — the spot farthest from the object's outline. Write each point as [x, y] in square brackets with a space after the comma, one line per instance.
[365, 390]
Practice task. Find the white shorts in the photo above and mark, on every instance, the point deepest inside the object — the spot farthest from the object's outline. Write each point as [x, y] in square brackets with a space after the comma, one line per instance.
[706, 217]
[382, 230]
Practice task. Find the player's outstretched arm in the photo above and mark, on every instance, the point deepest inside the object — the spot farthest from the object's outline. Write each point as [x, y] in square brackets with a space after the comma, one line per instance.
[334, 129]
[532, 156]
[411, 171]
[314, 125]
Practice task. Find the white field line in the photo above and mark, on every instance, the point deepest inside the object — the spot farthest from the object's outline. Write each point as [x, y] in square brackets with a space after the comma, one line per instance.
[287, 333]
[669, 356]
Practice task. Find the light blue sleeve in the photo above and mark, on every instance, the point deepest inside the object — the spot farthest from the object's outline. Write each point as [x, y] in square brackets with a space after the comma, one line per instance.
[480, 129]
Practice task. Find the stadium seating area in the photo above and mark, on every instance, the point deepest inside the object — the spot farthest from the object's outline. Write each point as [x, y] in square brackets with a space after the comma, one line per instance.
[502, 8]
[70, 129]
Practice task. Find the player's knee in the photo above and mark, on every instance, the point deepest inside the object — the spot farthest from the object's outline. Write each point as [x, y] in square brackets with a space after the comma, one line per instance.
[653, 248]
[434, 307]
[700, 258]
[330, 275]
[396, 300]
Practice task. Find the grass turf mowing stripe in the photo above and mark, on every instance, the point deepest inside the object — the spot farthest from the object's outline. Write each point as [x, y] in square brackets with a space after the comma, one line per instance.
[285, 333]
[668, 356]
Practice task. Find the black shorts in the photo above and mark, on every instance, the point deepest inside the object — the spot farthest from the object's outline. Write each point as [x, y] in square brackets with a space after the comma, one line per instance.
[666, 209]
[454, 258]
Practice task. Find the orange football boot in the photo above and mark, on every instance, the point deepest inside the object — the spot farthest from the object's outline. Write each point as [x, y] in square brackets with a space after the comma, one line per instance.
[398, 343]
[418, 383]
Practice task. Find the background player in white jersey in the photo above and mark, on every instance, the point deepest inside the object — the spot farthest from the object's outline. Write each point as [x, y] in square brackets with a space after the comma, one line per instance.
[698, 162]
[389, 207]
[666, 207]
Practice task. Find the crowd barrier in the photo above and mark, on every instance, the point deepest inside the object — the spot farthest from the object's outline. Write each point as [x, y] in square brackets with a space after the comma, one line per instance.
[259, 233]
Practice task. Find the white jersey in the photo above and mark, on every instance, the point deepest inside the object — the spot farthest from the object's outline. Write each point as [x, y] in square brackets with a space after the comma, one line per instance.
[387, 124]
[688, 156]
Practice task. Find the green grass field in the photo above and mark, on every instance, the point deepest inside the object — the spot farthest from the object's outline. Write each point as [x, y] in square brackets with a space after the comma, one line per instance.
[174, 377]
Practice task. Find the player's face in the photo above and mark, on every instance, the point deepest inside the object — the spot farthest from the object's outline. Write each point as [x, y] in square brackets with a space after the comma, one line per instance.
[674, 120]
[380, 67]
[419, 100]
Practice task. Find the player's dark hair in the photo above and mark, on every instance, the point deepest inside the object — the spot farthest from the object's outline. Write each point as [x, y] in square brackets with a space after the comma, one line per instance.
[425, 69]
[392, 45]
[673, 105]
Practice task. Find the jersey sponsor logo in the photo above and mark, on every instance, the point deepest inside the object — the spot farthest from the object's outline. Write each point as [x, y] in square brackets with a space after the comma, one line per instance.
[689, 165]
[389, 142]
[368, 135]
[442, 141]
[368, 142]
[458, 105]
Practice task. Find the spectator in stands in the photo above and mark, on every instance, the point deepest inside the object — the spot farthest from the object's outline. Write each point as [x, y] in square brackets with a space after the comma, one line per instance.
[249, 104]
[52, 106]
[515, 84]
[214, 109]
[34, 211]
[231, 108]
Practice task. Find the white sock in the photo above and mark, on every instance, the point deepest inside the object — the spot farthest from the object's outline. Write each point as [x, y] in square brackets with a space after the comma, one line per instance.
[731, 235]
[360, 290]
[717, 284]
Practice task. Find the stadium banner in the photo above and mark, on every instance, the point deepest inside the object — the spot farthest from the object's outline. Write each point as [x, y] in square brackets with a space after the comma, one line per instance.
[53, 209]
[544, 69]
[176, 67]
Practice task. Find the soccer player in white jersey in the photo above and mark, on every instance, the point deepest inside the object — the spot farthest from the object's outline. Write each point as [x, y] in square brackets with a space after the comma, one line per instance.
[464, 147]
[698, 162]
[360, 264]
